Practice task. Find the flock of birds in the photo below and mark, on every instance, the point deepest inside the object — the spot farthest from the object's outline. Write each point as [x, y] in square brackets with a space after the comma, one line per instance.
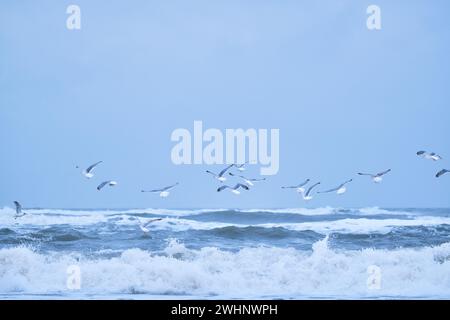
[245, 184]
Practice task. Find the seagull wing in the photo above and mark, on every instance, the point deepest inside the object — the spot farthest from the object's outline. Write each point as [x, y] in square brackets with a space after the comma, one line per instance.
[420, 153]
[365, 174]
[223, 188]
[215, 175]
[331, 190]
[442, 172]
[240, 185]
[170, 187]
[90, 168]
[151, 221]
[102, 185]
[225, 170]
[310, 189]
[383, 173]
[18, 207]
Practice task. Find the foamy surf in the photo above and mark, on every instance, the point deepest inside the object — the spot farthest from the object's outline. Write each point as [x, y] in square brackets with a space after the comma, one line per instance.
[248, 273]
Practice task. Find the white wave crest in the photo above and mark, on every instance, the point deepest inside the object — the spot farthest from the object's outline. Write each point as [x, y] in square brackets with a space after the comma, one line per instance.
[248, 273]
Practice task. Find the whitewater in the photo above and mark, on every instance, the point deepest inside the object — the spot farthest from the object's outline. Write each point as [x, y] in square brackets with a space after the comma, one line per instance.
[292, 253]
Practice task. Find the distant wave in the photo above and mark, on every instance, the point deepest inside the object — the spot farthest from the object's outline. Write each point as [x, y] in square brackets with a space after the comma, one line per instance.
[247, 273]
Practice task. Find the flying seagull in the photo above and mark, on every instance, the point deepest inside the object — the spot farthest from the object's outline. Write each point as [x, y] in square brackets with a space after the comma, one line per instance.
[341, 189]
[163, 192]
[234, 189]
[220, 176]
[19, 212]
[377, 178]
[248, 181]
[88, 172]
[110, 183]
[430, 156]
[241, 167]
[442, 172]
[300, 187]
[308, 196]
[144, 226]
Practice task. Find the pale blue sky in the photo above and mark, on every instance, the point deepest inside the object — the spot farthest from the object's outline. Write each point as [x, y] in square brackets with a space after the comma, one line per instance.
[345, 99]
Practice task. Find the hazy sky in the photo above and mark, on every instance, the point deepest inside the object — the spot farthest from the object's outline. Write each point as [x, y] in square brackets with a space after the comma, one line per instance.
[345, 99]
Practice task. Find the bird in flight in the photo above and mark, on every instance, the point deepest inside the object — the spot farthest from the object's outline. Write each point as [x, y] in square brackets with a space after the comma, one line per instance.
[144, 226]
[430, 156]
[378, 177]
[109, 183]
[163, 192]
[234, 189]
[19, 212]
[300, 187]
[221, 174]
[88, 173]
[341, 189]
[308, 196]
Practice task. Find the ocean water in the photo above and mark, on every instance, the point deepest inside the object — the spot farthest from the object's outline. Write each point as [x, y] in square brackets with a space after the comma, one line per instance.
[322, 253]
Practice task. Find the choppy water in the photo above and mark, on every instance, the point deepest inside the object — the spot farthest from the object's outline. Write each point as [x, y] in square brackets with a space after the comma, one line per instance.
[283, 253]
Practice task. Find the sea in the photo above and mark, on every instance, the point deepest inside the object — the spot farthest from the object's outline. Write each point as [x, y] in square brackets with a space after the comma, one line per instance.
[294, 253]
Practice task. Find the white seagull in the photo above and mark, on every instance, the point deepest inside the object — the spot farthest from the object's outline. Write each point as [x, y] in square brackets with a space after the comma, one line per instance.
[144, 226]
[234, 189]
[377, 178]
[341, 189]
[442, 172]
[88, 172]
[19, 212]
[308, 196]
[163, 192]
[248, 181]
[430, 156]
[220, 176]
[300, 187]
[241, 167]
[110, 183]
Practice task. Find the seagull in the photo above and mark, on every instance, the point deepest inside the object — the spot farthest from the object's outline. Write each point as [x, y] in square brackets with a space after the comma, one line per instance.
[307, 196]
[430, 156]
[110, 183]
[442, 172]
[248, 181]
[19, 212]
[220, 176]
[88, 172]
[241, 167]
[163, 192]
[144, 226]
[377, 178]
[300, 187]
[234, 189]
[341, 189]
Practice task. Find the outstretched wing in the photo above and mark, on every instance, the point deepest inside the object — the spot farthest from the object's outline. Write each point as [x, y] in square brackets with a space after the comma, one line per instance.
[151, 221]
[221, 173]
[223, 188]
[420, 153]
[215, 175]
[240, 185]
[331, 190]
[310, 189]
[383, 173]
[442, 172]
[304, 183]
[90, 168]
[102, 185]
[365, 174]
[18, 207]
[162, 189]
